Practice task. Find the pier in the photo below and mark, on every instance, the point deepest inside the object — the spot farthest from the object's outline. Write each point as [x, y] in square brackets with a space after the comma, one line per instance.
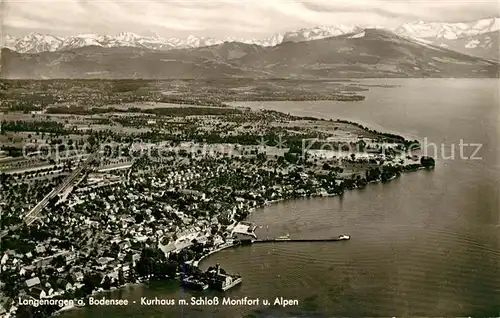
[251, 240]
[296, 240]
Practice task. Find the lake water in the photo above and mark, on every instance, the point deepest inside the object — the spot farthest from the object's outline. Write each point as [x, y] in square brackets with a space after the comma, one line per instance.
[426, 244]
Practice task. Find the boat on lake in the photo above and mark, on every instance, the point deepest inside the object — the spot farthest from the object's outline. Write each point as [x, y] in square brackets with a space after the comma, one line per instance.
[283, 238]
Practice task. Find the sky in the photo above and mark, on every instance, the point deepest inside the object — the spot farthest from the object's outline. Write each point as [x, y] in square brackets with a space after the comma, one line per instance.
[221, 18]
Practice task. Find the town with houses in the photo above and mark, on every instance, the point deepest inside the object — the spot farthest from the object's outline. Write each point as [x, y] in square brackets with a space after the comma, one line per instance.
[95, 199]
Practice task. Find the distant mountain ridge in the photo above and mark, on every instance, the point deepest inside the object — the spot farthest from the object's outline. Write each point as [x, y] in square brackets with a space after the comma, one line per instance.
[477, 38]
[449, 31]
[450, 35]
[38, 43]
[361, 54]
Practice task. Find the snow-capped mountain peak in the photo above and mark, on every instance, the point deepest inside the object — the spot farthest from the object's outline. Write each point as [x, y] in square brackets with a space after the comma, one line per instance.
[319, 32]
[358, 35]
[33, 43]
[422, 29]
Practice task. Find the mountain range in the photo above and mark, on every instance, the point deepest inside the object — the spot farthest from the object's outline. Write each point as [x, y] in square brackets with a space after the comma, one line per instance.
[359, 54]
[479, 38]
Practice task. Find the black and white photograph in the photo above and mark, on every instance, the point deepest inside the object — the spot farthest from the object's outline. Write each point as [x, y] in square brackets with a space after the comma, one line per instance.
[249, 158]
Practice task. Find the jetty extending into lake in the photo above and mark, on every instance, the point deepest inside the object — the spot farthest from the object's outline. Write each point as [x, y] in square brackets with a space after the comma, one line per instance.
[297, 240]
[249, 239]
[287, 238]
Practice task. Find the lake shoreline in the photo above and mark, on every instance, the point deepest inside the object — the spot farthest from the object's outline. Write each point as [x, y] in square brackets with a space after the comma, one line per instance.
[268, 203]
